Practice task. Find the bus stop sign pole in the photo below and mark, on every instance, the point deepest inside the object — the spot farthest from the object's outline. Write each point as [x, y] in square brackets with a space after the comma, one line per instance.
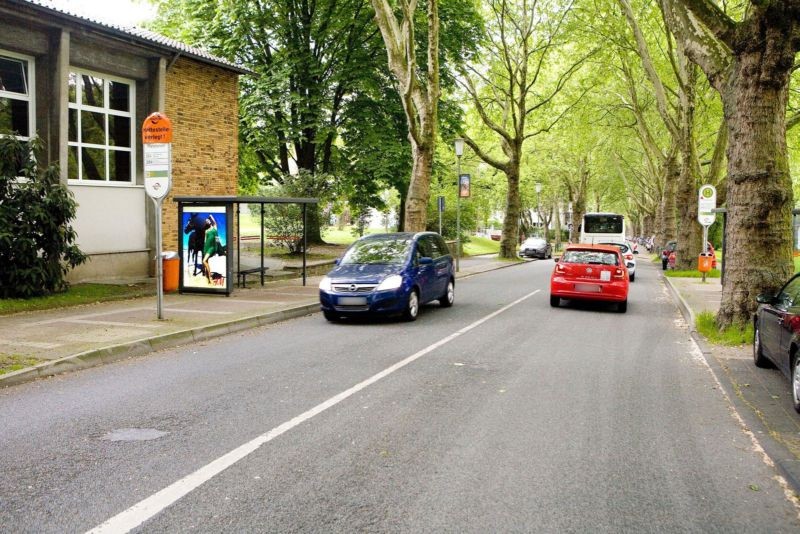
[157, 144]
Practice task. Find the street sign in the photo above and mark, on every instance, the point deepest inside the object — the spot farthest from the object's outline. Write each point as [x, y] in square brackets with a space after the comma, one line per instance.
[157, 128]
[157, 169]
[441, 204]
[463, 185]
[157, 143]
[706, 203]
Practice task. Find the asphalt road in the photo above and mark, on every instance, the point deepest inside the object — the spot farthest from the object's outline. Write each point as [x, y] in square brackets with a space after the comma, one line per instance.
[499, 414]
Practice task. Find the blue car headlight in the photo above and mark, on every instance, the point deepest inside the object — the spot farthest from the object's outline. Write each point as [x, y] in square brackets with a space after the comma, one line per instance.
[325, 284]
[390, 282]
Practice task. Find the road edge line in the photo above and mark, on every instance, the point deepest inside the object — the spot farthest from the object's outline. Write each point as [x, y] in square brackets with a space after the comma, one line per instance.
[785, 464]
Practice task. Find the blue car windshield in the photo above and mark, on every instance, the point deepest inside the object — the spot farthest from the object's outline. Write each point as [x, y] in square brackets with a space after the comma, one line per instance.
[378, 251]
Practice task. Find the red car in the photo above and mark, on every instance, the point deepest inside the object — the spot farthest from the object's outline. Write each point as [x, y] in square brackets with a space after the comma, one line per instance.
[590, 272]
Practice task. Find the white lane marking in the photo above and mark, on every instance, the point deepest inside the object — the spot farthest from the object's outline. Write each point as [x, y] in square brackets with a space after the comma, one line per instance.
[112, 323]
[145, 509]
[31, 344]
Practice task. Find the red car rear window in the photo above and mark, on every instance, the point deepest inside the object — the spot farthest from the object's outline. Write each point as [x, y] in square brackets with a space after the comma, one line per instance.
[597, 257]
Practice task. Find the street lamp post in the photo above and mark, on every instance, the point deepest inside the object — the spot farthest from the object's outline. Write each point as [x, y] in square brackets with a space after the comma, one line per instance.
[539, 208]
[458, 144]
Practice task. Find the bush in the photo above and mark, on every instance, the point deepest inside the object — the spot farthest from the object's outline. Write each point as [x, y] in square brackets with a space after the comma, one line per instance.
[37, 244]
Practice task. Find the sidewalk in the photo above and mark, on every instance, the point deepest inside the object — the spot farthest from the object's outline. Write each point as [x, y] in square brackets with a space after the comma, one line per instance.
[762, 397]
[73, 338]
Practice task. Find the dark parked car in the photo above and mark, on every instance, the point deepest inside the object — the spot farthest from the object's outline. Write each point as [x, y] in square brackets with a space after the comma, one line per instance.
[389, 274]
[776, 336]
[536, 246]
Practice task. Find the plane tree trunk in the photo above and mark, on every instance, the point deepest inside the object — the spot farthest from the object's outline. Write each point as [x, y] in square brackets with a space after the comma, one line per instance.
[749, 63]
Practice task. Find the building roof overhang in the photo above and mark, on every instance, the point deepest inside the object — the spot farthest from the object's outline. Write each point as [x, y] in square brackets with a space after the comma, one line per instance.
[134, 35]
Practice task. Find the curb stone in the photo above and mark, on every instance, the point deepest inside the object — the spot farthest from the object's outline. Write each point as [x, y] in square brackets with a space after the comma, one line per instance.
[785, 462]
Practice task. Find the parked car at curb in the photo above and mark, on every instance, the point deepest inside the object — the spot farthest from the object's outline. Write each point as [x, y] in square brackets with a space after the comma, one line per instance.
[590, 272]
[389, 274]
[628, 256]
[536, 247]
[776, 334]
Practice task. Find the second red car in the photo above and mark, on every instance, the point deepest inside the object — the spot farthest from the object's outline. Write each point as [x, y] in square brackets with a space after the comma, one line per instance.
[590, 272]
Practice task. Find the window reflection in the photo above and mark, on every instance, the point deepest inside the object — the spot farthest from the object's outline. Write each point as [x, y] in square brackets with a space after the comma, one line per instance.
[377, 250]
[13, 75]
[72, 163]
[100, 116]
[119, 131]
[94, 163]
[14, 116]
[118, 96]
[119, 163]
[93, 128]
[72, 87]
[93, 91]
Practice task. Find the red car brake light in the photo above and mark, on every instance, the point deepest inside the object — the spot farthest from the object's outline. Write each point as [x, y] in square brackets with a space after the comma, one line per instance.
[793, 322]
[619, 273]
[560, 268]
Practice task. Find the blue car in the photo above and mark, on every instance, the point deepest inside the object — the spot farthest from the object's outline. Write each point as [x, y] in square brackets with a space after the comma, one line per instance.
[389, 274]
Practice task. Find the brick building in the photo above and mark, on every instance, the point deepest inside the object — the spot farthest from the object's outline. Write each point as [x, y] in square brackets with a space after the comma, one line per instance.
[85, 87]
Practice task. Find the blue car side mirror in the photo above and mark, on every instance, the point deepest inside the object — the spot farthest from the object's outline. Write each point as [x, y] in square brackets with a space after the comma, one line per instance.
[337, 261]
[425, 260]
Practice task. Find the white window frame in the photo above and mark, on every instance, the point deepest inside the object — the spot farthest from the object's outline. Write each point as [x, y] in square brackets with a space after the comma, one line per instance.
[30, 98]
[79, 106]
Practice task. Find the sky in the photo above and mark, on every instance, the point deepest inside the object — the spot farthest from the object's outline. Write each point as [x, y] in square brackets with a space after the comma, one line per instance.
[120, 12]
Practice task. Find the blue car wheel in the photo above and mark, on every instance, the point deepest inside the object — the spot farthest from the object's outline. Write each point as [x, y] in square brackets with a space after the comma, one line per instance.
[412, 306]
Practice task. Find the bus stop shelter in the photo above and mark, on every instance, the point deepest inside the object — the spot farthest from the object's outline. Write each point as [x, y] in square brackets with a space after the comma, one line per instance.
[199, 215]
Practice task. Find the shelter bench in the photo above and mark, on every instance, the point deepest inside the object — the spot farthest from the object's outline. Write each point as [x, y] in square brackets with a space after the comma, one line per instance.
[242, 275]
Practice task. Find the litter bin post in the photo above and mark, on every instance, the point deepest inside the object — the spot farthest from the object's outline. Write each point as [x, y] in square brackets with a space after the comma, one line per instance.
[171, 270]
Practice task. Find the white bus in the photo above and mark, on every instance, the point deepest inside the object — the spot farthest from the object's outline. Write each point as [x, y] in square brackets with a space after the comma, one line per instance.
[603, 228]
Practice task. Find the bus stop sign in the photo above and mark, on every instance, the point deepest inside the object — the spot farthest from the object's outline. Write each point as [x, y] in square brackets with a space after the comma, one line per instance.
[706, 203]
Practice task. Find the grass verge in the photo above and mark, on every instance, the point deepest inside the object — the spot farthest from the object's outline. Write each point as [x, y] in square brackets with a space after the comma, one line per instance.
[714, 273]
[14, 362]
[706, 324]
[76, 295]
[481, 245]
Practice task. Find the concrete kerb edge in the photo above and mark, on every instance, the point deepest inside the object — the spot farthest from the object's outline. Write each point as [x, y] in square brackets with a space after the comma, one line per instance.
[786, 464]
[493, 268]
[95, 357]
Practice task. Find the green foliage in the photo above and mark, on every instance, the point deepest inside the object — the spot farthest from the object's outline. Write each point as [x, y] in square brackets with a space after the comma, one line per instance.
[37, 243]
[283, 223]
[450, 216]
[706, 324]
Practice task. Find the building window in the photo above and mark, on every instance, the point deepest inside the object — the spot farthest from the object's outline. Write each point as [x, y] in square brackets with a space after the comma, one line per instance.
[16, 95]
[101, 136]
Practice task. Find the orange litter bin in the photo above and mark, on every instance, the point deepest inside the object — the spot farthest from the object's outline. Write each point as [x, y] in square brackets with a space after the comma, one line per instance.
[171, 269]
[704, 263]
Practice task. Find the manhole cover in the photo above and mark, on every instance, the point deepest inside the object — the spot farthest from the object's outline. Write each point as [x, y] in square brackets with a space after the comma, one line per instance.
[133, 434]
